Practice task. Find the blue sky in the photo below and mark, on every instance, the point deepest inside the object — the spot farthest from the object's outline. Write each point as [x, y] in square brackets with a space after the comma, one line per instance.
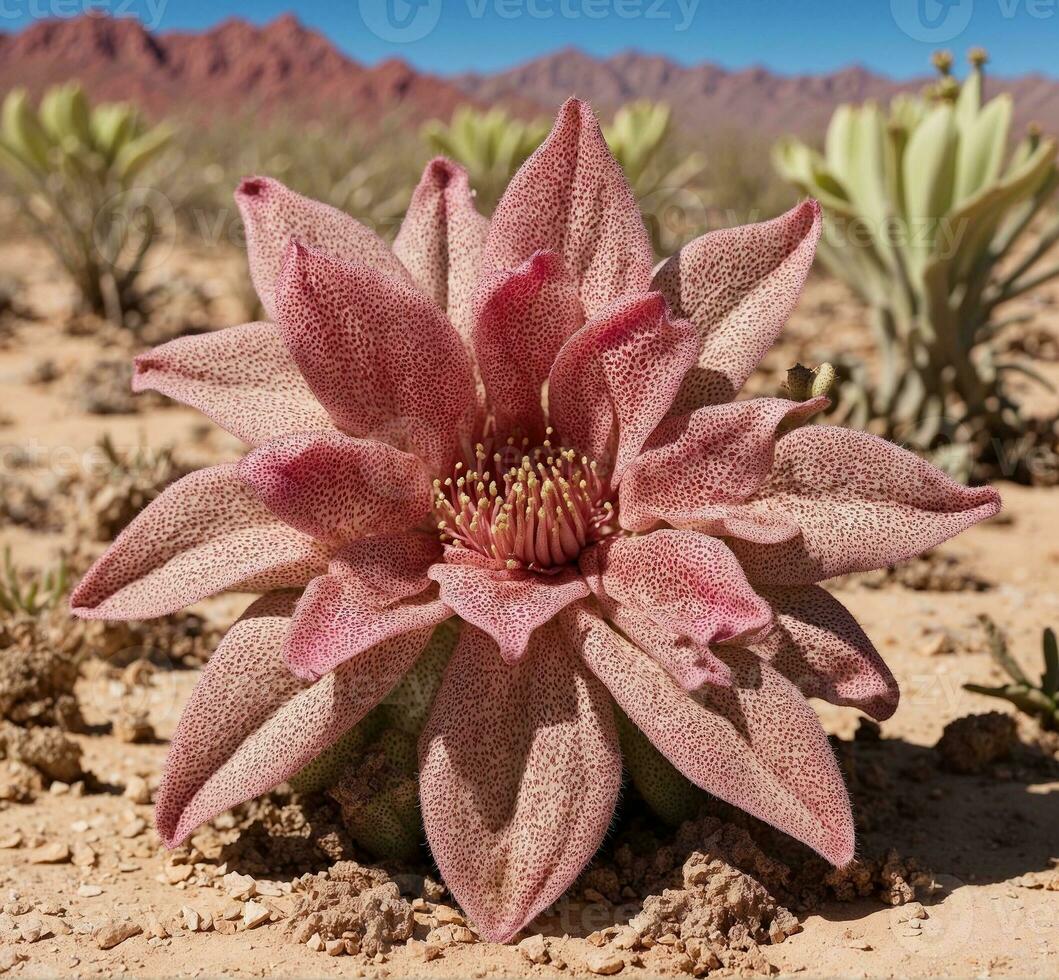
[791, 36]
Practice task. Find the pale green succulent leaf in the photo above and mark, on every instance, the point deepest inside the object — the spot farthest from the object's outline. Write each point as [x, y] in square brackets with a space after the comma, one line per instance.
[983, 143]
[140, 151]
[22, 131]
[969, 101]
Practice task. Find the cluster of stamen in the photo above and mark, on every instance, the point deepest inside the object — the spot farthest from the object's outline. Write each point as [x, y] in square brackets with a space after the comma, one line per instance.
[524, 508]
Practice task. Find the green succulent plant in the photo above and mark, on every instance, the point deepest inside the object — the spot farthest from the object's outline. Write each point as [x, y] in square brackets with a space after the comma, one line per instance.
[1040, 700]
[924, 207]
[31, 596]
[668, 793]
[491, 144]
[76, 167]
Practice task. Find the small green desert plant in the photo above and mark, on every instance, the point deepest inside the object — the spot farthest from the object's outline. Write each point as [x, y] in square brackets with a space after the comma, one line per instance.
[32, 595]
[1040, 701]
[491, 144]
[76, 168]
[933, 223]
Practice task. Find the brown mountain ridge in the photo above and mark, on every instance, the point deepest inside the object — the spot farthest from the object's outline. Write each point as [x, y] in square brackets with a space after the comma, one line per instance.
[285, 67]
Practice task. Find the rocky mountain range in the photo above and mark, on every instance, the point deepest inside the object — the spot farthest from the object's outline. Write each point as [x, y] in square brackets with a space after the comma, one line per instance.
[284, 66]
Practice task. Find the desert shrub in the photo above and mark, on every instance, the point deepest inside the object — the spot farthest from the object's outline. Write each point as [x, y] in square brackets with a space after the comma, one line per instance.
[76, 171]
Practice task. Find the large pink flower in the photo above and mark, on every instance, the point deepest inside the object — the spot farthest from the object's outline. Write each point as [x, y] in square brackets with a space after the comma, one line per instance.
[516, 423]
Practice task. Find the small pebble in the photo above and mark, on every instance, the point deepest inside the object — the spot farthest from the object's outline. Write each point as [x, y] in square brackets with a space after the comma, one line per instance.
[57, 853]
[89, 891]
[604, 962]
[534, 949]
[239, 886]
[137, 790]
[255, 914]
[111, 934]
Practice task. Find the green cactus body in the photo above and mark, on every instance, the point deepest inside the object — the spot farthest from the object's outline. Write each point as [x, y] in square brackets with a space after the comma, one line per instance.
[492, 145]
[943, 203]
[371, 771]
[379, 797]
[671, 796]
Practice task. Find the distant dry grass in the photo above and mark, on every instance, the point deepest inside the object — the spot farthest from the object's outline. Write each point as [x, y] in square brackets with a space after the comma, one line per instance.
[370, 174]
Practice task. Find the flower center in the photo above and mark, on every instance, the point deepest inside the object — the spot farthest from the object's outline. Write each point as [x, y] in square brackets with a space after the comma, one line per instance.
[532, 509]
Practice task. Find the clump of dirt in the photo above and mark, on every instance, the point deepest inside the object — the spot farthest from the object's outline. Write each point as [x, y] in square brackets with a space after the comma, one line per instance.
[38, 671]
[278, 834]
[38, 705]
[973, 743]
[105, 388]
[931, 572]
[47, 750]
[891, 879]
[180, 640]
[30, 489]
[717, 907]
[360, 907]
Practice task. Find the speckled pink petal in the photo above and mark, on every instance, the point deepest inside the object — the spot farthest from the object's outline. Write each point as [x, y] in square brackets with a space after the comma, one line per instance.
[571, 197]
[441, 240]
[341, 616]
[616, 378]
[381, 357]
[757, 744]
[274, 215]
[861, 503]
[337, 488]
[690, 664]
[738, 286]
[521, 318]
[717, 455]
[686, 583]
[202, 535]
[519, 774]
[508, 606]
[241, 377]
[386, 568]
[250, 724]
[819, 647]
